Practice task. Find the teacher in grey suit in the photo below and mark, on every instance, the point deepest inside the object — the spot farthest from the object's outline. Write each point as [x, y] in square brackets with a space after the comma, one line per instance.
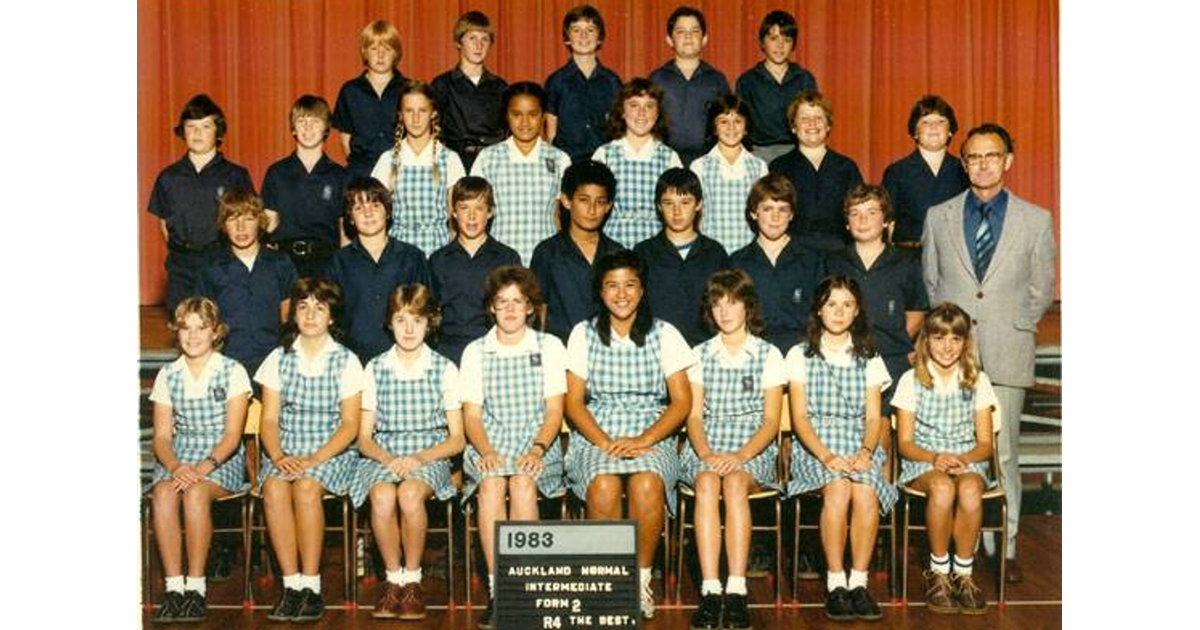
[993, 254]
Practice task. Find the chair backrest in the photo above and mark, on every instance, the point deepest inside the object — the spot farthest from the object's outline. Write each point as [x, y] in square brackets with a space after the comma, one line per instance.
[250, 440]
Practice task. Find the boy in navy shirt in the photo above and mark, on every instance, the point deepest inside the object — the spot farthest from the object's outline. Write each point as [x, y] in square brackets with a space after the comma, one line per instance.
[469, 97]
[371, 266]
[785, 272]
[250, 283]
[460, 268]
[185, 196]
[891, 279]
[680, 258]
[581, 92]
[365, 112]
[303, 192]
[688, 83]
[771, 85]
[563, 263]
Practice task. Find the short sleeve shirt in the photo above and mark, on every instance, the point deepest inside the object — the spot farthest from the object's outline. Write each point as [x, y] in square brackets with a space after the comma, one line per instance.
[774, 373]
[554, 371]
[350, 381]
[196, 386]
[877, 373]
[906, 390]
[309, 203]
[417, 370]
[675, 355]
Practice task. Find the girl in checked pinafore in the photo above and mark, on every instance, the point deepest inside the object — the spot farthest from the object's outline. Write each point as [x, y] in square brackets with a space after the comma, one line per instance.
[727, 172]
[637, 157]
[627, 395]
[944, 407]
[737, 396]
[525, 173]
[835, 382]
[418, 171]
[411, 427]
[312, 390]
[514, 379]
[200, 402]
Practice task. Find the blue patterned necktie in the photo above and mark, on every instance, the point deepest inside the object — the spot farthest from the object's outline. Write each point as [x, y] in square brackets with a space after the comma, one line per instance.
[985, 245]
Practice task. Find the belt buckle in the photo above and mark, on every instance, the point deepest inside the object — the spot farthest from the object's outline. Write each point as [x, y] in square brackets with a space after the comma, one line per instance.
[301, 248]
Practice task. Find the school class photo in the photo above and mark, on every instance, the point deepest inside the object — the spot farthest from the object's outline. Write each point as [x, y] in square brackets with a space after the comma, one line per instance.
[777, 281]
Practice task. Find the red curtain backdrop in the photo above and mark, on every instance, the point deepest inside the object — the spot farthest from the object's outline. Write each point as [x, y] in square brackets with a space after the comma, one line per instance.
[992, 60]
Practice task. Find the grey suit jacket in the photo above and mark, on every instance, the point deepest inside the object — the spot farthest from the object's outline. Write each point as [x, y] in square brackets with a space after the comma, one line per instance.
[1015, 291]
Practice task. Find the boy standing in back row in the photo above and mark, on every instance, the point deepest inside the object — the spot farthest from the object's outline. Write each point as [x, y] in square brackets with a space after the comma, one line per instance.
[688, 83]
[772, 83]
[581, 92]
[469, 97]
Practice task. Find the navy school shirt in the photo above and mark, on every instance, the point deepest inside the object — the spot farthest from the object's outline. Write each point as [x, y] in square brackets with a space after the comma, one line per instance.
[785, 289]
[458, 283]
[686, 103]
[892, 286]
[309, 203]
[769, 101]
[566, 280]
[369, 118]
[187, 200]
[249, 300]
[675, 286]
[472, 116]
[581, 104]
[366, 287]
[820, 194]
[914, 189]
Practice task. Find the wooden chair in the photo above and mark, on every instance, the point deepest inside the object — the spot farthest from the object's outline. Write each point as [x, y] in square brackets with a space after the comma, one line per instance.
[254, 418]
[687, 494]
[363, 528]
[887, 524]
[994, 495]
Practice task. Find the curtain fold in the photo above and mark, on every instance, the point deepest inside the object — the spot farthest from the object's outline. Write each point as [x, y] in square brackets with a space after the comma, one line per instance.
[993, 60]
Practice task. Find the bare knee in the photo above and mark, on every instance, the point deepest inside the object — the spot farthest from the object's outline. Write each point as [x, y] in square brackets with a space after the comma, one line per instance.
[307, 490]
[277, 493]
[493, 490]
[411, 496]
[196, 499]
[865, 501]
[646, 491]
[383, 500]
[708, 485]
[736, 486]
[522, 488]
[837, 495]
[604, 495]
[970, 493]
[164, 497]
[941, 491]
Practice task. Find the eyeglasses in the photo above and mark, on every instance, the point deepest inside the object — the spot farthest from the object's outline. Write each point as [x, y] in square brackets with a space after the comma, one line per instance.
[975, 159]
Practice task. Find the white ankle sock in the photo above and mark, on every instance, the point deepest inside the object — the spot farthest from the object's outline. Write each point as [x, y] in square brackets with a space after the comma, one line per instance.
[857, 579]
[491, 585]
[736, 585]
[175, 584]
[198, 584]
[963, 566]
[311, 581]
[710, 587]
[646, 574]
[408, 576]
[293, 582]
[834, 579]
[940, 564]
[395, 577]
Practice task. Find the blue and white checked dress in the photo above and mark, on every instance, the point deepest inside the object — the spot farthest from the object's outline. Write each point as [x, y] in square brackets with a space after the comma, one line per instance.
[410, 416]
[724, 218]
[837, 401]
[733, 413]
[945, 423]
[200, 424]
[310, 413]
[626, 393]
[634, 218]
[419, 208]
[514, 408]
[526, 194]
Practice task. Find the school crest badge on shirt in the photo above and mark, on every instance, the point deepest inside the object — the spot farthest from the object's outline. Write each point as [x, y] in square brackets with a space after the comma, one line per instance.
[327, 192]
[218, 393]
[535, 360]
[797, 295]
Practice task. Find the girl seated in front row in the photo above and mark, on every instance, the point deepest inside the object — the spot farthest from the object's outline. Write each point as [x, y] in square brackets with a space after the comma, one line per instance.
[312, 389]
[627, 394]
[835, 382]
[737, 394]
[411, 426]
[944, 407]
[514, 379]
[200, 402]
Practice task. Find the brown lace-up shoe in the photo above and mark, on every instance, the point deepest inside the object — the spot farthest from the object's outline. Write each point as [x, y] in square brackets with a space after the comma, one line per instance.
[412, 601]
[388, 605]
[968, 595]
[939, 593]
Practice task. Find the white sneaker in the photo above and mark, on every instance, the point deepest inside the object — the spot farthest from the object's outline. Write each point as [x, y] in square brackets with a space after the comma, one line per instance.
[647, 602]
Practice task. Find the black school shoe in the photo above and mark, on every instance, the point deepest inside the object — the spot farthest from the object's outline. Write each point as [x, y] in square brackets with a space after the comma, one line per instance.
[312, 607]
[287, 607]
[737, 612]
[220, 568]
[485, 618]
[194, 608]
[168, 612]
[864, 605]
[708, 614]
[838, 606]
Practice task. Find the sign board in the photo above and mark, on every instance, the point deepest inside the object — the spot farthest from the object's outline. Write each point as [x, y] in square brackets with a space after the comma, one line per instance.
[566, 575]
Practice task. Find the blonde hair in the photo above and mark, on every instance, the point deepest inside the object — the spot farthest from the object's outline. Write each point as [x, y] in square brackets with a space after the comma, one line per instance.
[237, 202]
[418, 299]
[415, 86]
[379, 31]
[209, 313]
[948, 318]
